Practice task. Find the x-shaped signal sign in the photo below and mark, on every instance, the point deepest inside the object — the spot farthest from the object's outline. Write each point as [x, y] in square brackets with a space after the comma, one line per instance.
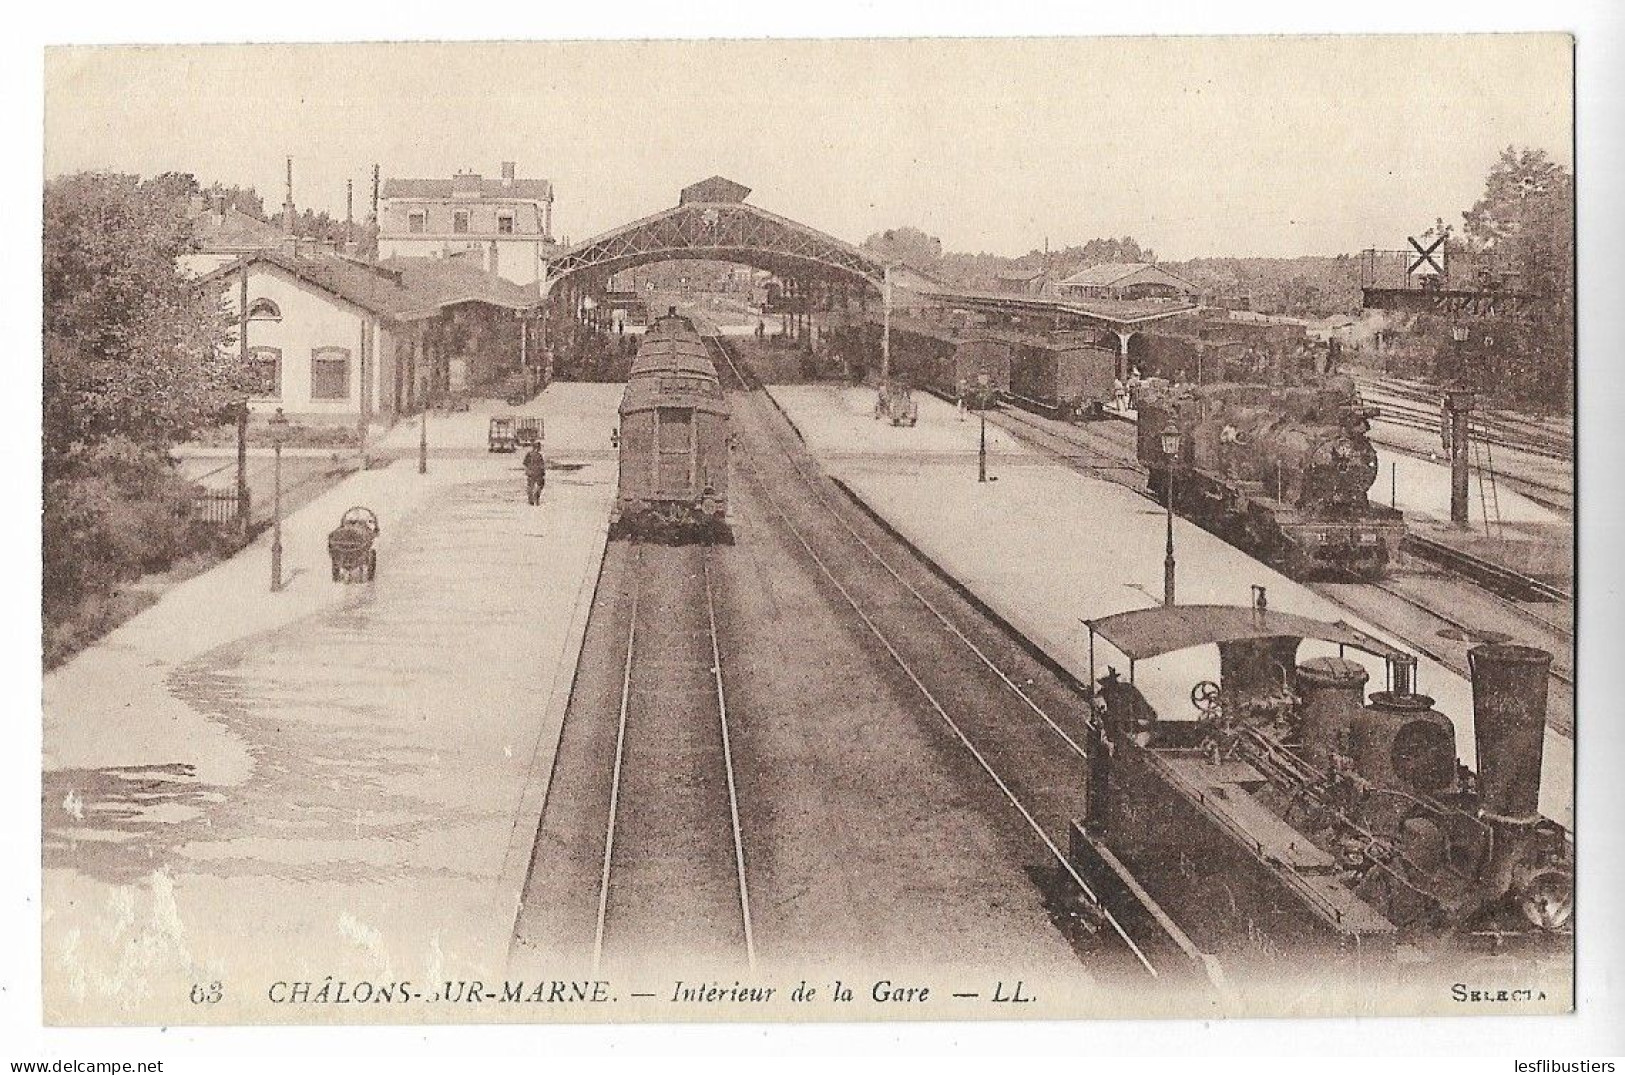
[1426, 256]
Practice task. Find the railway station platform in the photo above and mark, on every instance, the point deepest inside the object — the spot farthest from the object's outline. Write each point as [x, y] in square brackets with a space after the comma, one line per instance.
[1046, 547]
[333, 782]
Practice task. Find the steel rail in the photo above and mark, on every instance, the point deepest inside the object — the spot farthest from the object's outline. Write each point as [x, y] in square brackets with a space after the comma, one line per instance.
[615, 776]
[931, 699]
[728, 763]
[818, 492]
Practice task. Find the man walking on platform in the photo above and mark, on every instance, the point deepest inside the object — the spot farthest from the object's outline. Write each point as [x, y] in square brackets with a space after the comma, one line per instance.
[535, 474]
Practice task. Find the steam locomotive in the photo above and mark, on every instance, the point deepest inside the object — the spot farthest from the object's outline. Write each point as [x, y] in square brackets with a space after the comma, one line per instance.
[1298, 817]
[673, 441]
[1281, 470]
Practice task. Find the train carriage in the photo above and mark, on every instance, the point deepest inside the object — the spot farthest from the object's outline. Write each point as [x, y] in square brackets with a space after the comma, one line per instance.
[1063, 377]
[673, 442]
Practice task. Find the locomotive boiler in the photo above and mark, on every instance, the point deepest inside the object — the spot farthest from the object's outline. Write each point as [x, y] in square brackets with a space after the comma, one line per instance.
[673, 441]
[1282, 471]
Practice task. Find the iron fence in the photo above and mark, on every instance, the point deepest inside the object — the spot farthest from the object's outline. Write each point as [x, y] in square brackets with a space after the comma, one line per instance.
[218, 507]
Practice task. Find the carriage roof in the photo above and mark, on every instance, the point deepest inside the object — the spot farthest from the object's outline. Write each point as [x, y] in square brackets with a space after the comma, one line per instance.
[672, 389]
[665, 360]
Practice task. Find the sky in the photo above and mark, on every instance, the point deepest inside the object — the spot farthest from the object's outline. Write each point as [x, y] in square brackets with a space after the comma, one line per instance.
[1264, 146]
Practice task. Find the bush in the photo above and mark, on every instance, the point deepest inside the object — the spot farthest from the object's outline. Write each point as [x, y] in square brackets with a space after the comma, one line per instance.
[112, 514]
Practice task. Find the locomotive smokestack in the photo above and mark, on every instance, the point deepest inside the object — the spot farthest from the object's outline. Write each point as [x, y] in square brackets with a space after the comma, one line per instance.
[1509, 728]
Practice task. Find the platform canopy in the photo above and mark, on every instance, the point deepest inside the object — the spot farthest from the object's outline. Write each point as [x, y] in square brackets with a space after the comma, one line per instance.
[713, 223]
[1151, 632]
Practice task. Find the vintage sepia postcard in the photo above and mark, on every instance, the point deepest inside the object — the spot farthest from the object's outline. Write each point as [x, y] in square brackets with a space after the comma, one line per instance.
[809, 530]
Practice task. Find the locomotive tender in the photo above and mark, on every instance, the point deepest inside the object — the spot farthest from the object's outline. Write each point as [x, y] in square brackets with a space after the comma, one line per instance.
[1282, 470]
[673, 441]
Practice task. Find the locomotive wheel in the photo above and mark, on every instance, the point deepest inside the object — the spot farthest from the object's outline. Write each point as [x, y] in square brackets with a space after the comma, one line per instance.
[1205, 697]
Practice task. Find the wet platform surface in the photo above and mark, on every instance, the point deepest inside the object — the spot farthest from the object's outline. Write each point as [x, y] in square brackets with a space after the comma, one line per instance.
[336, 779]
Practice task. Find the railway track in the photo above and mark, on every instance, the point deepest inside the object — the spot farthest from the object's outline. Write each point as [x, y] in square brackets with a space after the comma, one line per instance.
[1419, 408]
[1013, 745]
[673, 872]
[1496, 578]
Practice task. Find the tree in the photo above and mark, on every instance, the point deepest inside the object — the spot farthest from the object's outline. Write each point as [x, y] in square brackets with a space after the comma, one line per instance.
[908, 246]
[1525, 221]
[132, 347]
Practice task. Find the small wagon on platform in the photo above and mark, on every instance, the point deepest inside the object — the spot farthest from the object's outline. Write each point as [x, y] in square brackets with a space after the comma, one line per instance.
[350, 546]
[503, 437]
[527, 431]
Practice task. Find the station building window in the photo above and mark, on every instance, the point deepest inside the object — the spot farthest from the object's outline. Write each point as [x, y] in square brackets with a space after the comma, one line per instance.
[330, 373]
[265, 372]
[459, 221]
[505, 224]
[264, 310]
[416, 222]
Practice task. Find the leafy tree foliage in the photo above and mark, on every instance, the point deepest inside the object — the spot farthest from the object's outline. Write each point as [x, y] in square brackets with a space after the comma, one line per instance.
[131, 345]
[906, 246]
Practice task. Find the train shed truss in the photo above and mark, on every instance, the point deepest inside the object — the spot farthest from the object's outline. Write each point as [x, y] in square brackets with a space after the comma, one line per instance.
[713, 223]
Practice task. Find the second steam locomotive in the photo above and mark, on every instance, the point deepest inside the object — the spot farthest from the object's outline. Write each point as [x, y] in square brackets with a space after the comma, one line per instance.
[673, 441]
[1282, 469]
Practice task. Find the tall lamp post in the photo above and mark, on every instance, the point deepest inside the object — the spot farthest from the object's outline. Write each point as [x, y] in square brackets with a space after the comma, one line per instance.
[981, 410]
[279, 434]
[1170, 450]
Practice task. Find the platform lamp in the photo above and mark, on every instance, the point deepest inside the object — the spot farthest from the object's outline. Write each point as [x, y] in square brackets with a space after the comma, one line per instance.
[279, 435]
[982, 401]
[1170, 449]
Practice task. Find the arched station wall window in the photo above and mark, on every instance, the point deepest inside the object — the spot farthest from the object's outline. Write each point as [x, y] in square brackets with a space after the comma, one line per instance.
[264, 310]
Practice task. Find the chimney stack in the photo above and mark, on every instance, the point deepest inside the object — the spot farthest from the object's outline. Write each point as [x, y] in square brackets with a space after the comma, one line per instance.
[349, 210]
[287, 202]
[508, 171]
[1509, 728]
[219, 209]
[373, 219]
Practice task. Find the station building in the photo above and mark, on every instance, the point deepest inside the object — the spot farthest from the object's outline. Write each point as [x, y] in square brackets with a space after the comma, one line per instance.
[506, 222]
[336, 338]
[1125, 281]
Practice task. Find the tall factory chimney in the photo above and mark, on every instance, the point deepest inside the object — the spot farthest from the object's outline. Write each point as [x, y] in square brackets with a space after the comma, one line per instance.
[287, 202]
[373, 218]
[349, 211]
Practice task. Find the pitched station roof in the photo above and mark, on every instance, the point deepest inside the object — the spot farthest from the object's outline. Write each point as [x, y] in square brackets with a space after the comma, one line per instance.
[403, 289]
[1122, 273]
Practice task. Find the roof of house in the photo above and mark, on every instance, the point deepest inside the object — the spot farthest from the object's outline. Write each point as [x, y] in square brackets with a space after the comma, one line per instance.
[1120, 273]
[469, 185]
[232, 231]
[404, 289]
